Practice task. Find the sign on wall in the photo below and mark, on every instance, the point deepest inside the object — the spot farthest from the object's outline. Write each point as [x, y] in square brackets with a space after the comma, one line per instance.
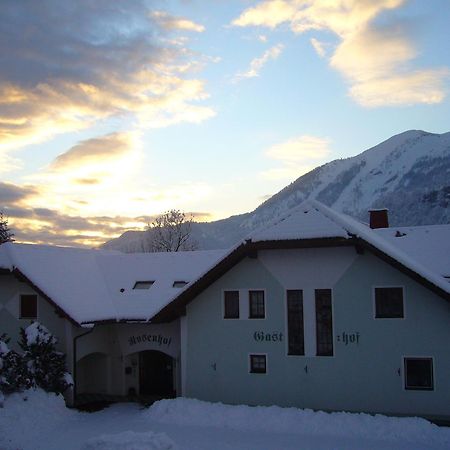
[139, 337]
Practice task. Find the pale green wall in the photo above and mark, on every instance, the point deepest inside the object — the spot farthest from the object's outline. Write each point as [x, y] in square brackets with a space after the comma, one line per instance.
[358, 377]
[10, 323]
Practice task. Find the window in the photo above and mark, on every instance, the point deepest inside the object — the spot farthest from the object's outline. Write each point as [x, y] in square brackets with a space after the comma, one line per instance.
[389, 303]
[256, 305]
[419, 374]
[231, 305]
[179, 284]
[324, 322]
[28, 306]
[143, 284]
[296, 340]
[258, 364]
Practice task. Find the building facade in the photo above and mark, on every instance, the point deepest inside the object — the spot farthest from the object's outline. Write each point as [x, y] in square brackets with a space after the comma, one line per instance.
[316, 311]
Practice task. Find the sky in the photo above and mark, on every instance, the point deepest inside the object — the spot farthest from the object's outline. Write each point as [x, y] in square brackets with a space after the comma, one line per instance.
[114, 112]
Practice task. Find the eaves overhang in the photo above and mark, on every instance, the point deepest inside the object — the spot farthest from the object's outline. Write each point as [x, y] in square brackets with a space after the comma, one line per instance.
[248, 248]
[60, 311]
[362, 243]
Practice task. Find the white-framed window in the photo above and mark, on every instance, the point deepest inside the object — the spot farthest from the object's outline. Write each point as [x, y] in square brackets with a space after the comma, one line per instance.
[256, 304]
[389, 302]
[258, 363]
[418, 373]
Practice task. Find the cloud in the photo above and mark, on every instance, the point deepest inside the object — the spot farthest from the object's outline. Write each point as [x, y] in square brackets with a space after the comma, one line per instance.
[12, 193]
[376, 60]
[95, 151]
[169, 22]
[298, 155]
[258, 63]
[319, 47]
[269, 14]
[77, 63]
[381, 76]
[43, 225]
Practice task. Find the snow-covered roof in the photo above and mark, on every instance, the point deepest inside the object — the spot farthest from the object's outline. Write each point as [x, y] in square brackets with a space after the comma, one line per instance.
[302, 222]
[311, 222]
[425, 250]
[93, 285]
[429, 245]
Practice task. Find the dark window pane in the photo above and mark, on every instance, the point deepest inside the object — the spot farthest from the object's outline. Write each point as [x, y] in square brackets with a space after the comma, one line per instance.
[389, 303]
[324, 322]
[256, 305]
[419, 373]
[295, 322]
[143, 284]
[231, 306]
[28, 306]
[258, 363]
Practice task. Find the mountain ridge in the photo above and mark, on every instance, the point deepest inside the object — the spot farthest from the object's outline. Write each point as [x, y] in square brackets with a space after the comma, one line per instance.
[409, 174]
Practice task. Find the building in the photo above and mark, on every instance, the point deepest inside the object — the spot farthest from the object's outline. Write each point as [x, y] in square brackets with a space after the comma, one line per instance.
[317, 310]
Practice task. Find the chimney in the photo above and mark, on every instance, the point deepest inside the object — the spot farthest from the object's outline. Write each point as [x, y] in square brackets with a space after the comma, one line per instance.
[379, 218]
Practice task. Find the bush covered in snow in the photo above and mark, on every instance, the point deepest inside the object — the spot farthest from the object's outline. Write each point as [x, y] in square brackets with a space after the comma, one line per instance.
[14, 374]
[46, 366]
[40, 365]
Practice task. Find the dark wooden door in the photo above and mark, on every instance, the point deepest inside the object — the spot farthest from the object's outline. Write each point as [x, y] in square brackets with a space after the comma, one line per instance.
[155, 374]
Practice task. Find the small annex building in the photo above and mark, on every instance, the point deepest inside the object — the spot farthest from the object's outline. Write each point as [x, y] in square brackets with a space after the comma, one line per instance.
[315, 311]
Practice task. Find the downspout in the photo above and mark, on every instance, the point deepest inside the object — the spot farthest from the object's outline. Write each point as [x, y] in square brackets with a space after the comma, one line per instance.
[74, 365]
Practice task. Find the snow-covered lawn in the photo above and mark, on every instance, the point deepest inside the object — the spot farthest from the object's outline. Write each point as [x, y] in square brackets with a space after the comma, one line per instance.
[36, 420]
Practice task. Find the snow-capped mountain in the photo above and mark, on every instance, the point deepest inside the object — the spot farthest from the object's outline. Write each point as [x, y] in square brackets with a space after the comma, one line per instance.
[409, 174]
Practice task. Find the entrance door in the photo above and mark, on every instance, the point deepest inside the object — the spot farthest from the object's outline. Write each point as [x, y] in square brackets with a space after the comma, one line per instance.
[155, 374]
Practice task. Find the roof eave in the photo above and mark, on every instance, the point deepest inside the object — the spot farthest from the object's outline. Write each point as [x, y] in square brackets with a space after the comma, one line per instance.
[404, 269]
[60, 311]
[177, 307]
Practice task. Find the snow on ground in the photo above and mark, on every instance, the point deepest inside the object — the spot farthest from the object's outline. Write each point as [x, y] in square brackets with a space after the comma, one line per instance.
[36, 420]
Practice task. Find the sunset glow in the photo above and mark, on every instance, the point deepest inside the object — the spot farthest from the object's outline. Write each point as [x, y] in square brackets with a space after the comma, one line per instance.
[112, 113]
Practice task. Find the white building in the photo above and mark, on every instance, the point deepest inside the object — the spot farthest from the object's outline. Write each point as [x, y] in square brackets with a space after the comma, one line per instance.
[315, 311]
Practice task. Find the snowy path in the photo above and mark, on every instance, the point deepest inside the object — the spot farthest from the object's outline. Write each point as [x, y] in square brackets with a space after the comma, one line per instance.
[44, 423]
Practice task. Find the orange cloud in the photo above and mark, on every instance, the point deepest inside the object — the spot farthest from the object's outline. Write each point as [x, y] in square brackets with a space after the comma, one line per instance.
[79, 75]
[170, 22]
[95, 151]
[298, 155]
[375, 61]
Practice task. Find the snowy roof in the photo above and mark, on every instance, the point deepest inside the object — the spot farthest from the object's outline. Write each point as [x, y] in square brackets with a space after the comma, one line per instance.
[429, 245]
[302, 222]
[425, 250]
[430, 263]
[314, 221]
[94, 285]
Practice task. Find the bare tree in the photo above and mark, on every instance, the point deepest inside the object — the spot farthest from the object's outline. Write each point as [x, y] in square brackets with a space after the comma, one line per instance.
[171, 232]
[5, 233]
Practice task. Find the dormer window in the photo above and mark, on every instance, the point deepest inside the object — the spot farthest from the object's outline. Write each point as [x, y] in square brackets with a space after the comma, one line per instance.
[143, 284]
[179, 284]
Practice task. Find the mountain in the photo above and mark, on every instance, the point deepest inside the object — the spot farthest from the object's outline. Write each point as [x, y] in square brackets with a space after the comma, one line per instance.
[409, 174]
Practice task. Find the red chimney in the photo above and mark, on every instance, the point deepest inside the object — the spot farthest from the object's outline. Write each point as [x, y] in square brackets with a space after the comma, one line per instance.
[379, 218]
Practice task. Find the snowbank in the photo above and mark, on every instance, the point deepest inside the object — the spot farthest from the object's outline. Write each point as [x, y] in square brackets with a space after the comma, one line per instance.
[130, 440]
[274, 419]
[35, 420]
[29, 414]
